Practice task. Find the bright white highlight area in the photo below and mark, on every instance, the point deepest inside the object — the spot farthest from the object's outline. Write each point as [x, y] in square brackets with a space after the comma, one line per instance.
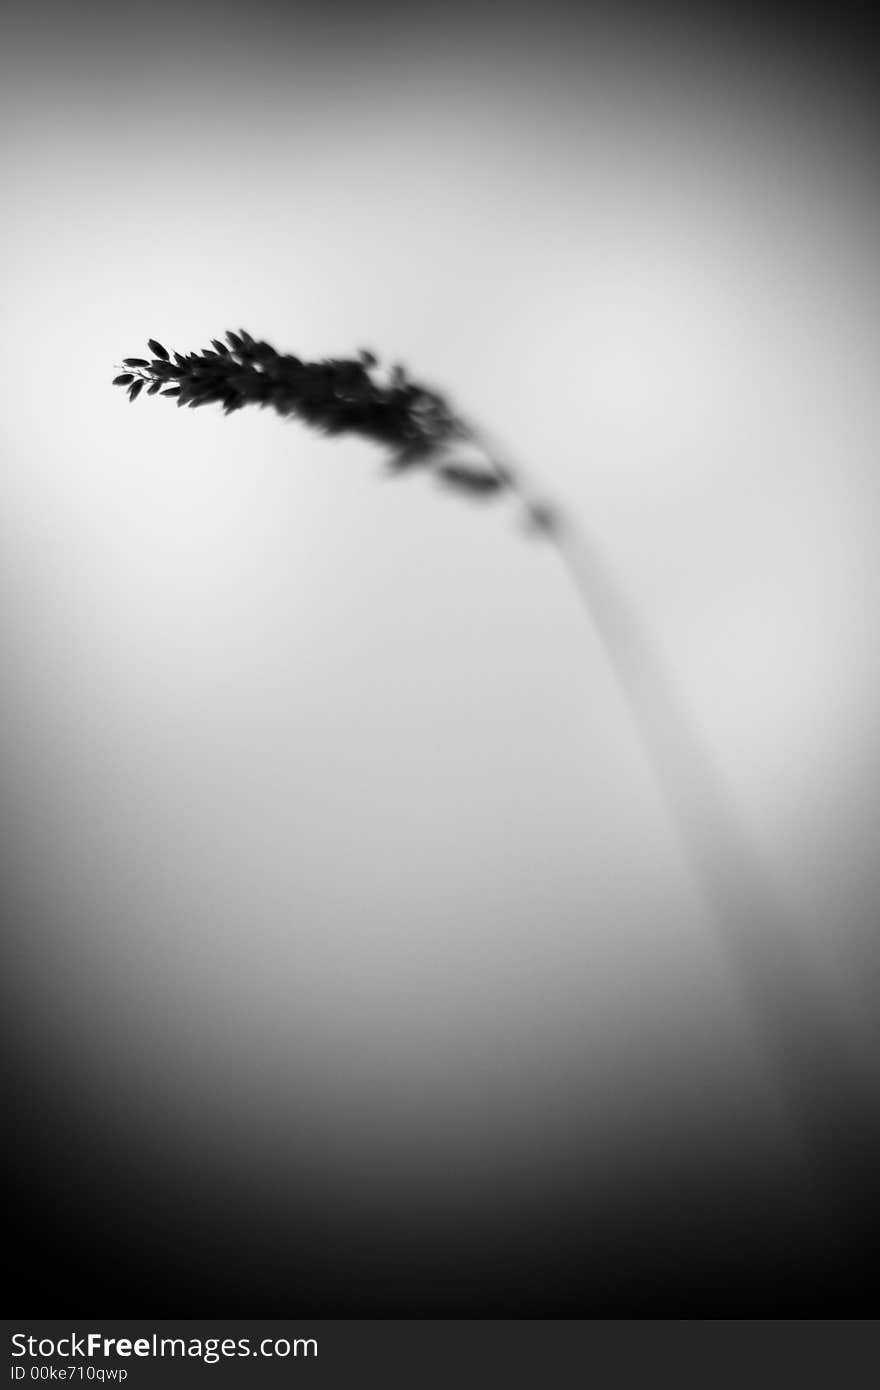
[333, 825]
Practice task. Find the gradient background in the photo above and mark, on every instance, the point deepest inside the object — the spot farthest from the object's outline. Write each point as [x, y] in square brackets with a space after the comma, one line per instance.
[353, 966]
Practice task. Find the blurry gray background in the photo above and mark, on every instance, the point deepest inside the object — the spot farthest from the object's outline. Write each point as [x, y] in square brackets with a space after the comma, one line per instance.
[336, 871]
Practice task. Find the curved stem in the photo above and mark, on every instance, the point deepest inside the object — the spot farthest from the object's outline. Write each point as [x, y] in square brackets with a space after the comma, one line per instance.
[830, 1097]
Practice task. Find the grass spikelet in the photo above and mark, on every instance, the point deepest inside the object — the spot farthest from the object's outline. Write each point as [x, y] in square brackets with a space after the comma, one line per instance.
[336, 396]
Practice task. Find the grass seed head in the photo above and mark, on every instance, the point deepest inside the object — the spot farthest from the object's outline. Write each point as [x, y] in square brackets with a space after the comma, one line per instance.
[335, 396]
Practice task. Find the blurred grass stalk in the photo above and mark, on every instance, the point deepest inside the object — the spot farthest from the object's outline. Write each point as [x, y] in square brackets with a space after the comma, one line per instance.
[829, 1092]
[827, 1089]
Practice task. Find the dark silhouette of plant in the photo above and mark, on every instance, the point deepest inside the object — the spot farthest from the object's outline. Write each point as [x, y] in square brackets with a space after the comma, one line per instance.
[336, 396]
[831, 1096]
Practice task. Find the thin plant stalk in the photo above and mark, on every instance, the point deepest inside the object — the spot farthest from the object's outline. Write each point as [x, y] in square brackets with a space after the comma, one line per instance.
[829, 1095]
[831, 1099]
